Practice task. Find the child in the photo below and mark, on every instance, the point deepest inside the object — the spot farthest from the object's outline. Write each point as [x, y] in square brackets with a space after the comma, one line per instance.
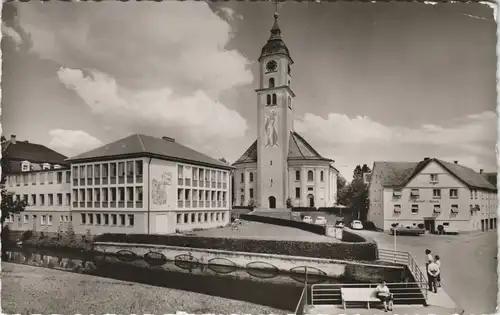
[438, 278]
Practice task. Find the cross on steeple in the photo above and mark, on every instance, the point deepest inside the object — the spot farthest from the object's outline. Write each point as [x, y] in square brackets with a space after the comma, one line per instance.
[276, 12]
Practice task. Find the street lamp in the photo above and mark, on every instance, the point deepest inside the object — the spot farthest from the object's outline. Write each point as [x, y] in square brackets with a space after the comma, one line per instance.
[394, 225]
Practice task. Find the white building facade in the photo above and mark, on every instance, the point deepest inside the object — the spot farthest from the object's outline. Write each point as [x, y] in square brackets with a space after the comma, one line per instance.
[431, 192]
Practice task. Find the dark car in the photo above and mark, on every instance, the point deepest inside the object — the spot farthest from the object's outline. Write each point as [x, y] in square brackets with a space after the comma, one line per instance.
[407, 230]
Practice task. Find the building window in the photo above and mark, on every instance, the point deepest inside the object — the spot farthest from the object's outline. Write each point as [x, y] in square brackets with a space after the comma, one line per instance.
[97, 171]
[59, 177]
[186, 218]
[49, 220]
[434, 178]
[114, 220]
[59, 199]
[437, 209]
[105, 170]
[297, 192]
[122, 220]
[414, 209]
[271, 82]
[83, 218]
[130, 220]
[454, 209]
[310, 176]
[91, 218]
[51, 199]
[415, 193]
[297, 175]
[251, 192]
[106, 219]
[321, 176]
[25, 219]
[397, 208]
[436, 193]
[113, 170]
[68, 176]
[33, 199]
[251, 178]
[179, 218]
[242, 200]
[396, 193]
[453, 193]
[98, 218]
[268, 99]
[242, 177]
[193, 218]
[274, 99]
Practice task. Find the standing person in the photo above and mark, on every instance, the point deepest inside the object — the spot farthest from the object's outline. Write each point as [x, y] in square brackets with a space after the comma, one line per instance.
[438, 262]
[428, 260]
[433, 273]
[384, 295]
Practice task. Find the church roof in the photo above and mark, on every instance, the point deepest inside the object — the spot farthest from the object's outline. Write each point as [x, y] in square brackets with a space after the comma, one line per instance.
[298, 149]
[275, 44]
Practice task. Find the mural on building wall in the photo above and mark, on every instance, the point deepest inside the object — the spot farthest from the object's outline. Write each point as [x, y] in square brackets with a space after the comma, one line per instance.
[271, 129]
[159, 188]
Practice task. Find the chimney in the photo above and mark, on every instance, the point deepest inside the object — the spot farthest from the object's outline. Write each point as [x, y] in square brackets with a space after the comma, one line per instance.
[168, 139]
[13, 139]
[427, 158]
[456, 162]
[481, 171]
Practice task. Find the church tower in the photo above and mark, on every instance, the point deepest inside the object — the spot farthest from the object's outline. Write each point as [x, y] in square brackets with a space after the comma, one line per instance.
[274, 121]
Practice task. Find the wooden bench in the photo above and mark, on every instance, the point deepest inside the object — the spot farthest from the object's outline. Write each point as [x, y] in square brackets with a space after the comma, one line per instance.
[358, 295]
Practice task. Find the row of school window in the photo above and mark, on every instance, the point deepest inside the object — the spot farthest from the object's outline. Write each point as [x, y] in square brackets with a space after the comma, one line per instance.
[310, 176]
[108, 194]
[201, 217]
[111, 219]
[195, 173]
[453, 194]
[200, 194]
[42, 201]
[41, 178]
[415, 209]
[44, 219]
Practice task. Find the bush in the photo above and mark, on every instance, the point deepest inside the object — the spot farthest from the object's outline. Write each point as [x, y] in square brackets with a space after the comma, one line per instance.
[289, 204]
[56, 244]
[303, 209]
[26, 235]
[317, 229]
[365, 251]
[369, 225]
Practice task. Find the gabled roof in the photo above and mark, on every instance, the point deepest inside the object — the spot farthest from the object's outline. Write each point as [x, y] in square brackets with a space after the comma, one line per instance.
[491, 177]
[138, 145]
[20, 151]
[399, 174]
[298, 149]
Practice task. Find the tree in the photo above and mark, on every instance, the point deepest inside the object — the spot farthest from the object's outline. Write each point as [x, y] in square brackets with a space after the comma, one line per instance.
[341, 182]
[358, 172]
[355, 194]
[10, 206]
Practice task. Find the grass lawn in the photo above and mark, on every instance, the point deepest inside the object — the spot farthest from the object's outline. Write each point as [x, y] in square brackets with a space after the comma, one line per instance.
[35, 290]
[257, 230]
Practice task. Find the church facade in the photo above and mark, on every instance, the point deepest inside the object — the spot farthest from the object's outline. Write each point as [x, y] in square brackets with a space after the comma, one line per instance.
[280, 164]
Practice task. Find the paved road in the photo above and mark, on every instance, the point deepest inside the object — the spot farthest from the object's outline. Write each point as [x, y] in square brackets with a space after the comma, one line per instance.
[469, 264]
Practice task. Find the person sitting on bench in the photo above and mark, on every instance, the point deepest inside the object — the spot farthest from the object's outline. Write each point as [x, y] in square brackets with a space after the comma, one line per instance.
[383, 293]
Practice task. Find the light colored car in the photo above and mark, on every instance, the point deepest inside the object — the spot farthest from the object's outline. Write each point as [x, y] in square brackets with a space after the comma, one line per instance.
[307, 219]
[356, 225]
[320, 221]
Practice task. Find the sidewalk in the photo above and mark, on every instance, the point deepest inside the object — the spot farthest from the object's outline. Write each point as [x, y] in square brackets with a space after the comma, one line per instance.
[397, 310]
[439, 299]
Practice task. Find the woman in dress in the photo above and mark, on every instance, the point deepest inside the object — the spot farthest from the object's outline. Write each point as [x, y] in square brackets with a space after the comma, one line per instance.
[383, 293]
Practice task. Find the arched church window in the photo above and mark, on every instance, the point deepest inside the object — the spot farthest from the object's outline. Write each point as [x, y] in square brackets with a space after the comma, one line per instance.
[310, 176]
[274, 99]
[242, 177]
[271, 82]
[268, 99]
[251, 177]
[297, 175]
[321, 176]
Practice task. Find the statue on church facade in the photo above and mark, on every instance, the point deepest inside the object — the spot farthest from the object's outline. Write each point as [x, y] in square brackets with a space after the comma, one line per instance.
[271, 133]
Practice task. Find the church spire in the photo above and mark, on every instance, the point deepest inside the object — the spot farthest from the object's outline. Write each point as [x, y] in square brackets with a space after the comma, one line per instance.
[275, 43]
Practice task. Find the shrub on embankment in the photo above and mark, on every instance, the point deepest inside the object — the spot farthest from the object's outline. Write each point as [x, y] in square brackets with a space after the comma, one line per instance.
[360, 251]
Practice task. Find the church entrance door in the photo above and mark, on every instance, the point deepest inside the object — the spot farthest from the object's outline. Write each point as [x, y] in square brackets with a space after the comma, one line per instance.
[272, 202]
[310, 199]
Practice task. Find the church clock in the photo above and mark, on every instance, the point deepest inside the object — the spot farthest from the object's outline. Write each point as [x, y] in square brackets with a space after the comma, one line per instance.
[272, 66]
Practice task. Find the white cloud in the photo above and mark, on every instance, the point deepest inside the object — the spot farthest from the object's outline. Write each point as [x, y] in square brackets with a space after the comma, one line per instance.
[201, 118]
[12, 34]
[351, 141]
[229, 14]
[72, 142]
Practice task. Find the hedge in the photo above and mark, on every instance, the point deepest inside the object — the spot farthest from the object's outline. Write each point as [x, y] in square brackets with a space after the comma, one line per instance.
[313, 228]
[365, 251]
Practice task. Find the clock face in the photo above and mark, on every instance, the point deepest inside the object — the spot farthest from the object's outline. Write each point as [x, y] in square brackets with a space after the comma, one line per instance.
[271, 66]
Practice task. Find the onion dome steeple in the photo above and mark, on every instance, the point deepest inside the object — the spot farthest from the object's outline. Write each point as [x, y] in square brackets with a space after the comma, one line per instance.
[275, 44]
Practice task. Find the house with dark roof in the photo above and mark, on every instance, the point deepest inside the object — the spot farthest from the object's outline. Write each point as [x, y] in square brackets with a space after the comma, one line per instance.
[40, 176]
[281, 165]
[431, 192]
[143, 184]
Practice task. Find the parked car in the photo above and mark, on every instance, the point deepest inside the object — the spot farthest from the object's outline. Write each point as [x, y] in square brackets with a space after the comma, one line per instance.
[307, 219]
[356, 225]
[339, 223]
[407, 230]
[450, 230]
[320, 221]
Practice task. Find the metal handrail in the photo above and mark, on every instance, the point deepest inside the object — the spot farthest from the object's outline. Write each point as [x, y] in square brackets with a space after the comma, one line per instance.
[299, 310]
[331, 292]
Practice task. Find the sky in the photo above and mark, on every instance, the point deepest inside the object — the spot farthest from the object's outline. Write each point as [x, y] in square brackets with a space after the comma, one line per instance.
[373, 81]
